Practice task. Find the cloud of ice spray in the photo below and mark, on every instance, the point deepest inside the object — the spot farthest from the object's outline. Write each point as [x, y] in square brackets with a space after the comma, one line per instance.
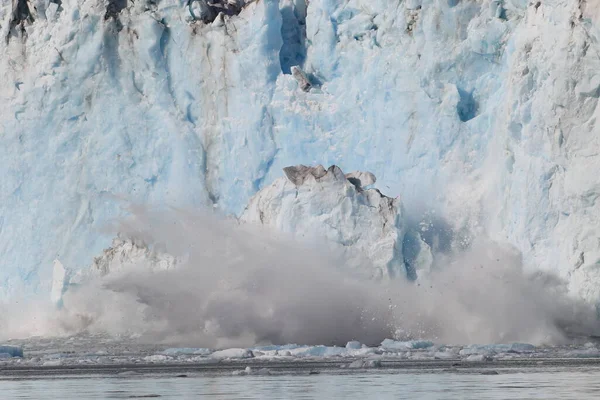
[238, 285]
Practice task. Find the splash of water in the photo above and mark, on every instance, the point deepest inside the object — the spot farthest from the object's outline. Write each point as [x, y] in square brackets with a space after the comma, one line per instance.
[239, 285]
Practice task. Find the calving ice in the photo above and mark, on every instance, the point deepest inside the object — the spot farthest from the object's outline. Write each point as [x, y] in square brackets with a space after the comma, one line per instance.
[480, 114]
[316, 258]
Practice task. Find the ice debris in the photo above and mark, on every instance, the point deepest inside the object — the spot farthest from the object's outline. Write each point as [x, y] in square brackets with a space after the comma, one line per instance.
[491, 349]
[364, 364]
[128, 253]
[326, 205]
[389, 344]
[11, 351]
[176, 351]
[354, 345]
[232, 354]
[157, 358]
[477, 358]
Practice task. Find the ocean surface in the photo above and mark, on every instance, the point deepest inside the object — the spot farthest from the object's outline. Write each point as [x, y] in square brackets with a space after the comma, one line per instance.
[98, 367]
[562, 382]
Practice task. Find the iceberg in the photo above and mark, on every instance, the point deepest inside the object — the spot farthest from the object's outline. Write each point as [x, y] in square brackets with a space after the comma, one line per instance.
[11, 351]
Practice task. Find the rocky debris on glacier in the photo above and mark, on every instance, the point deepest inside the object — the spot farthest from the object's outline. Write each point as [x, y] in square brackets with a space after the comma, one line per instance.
[21, 14]
[114, 8]
[300, 76]
[314, 203]
[208, 10]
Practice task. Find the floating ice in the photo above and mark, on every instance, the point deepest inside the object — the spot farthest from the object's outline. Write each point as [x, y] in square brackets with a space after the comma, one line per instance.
[497, 348]
[477, 358]
[584, 353]
[365, 364]
[354, 345]
[12, 351]
[232, 354]
[175, 351]
[157, 358]
[389, 344]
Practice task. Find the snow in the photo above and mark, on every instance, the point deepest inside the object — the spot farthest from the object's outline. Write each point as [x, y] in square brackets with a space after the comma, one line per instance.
[483, 112]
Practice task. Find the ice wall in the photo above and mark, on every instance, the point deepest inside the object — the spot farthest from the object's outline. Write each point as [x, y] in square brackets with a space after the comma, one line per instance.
[482, 111]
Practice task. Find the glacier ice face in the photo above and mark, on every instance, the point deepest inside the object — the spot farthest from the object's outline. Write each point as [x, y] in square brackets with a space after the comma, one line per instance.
[482, 111]
[315, 205]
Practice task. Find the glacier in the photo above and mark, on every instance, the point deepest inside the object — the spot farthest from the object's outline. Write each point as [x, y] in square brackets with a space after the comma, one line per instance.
[480, 115]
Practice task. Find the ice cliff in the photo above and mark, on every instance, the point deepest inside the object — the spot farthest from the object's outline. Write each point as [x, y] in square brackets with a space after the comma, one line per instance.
[481, 115]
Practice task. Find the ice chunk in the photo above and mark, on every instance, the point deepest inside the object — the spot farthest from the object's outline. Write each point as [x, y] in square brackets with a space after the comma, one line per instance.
[319, 203]
[245, 371]
[477, 358]
[232, 354]
[375, 363]
[389, 344]
[361, 178]
[128, 253]
[318, 351]
[444, 355]
[12, 351]
[156, 358]
[59, 280]
[353, 345]
[584, 353]
[175, 351]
